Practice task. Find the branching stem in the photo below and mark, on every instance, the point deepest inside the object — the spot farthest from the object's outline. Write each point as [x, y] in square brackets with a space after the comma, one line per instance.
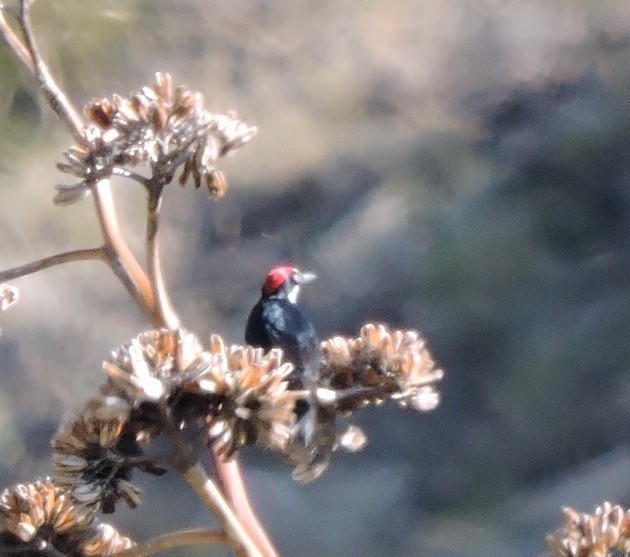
[57, 259]
[214, 500]
[119, 171]
[195, 474]
[52, 93]
[174, 539]
[122, 261]
[147, 291]
[118, 254]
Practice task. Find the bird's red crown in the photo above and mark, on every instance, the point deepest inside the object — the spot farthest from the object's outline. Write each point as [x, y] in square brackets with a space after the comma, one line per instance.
[276, 278]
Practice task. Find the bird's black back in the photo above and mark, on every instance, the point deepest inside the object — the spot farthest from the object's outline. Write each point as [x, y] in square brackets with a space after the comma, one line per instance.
[274, 322]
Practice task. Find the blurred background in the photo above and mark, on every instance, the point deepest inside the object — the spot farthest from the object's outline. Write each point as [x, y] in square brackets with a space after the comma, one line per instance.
[457, 167]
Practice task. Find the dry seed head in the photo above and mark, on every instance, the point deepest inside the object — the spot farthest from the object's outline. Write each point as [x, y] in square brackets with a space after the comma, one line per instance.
[87, 460]
[101, 112]
[353, 439]
[159, 127]
[148, 367]
[41, 511]
[256, 406]
[9, 295]
[602, 534]
[106, 540]
[388, 364]
[99, 422]
[163, 87]
[216, 184]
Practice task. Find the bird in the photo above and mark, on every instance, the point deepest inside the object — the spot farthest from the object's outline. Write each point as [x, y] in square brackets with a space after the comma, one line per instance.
[276, 321]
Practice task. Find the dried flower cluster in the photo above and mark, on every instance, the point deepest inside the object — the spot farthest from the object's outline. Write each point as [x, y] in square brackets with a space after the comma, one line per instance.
[95, 452]
[41, 515]
[238, 396]
[381, 365]
[603, 534]
[237, 393]
[161, 378]
[378, 366]
[97, 448]
[150, 366]
[160, 126]
[255, 405]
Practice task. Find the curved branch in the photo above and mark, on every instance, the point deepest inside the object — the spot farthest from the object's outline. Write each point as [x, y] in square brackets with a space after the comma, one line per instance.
[173, 540]
[57, 259]
[14, 43]
[51, 91]
[156, 277]
[119, 256]
[232, 482]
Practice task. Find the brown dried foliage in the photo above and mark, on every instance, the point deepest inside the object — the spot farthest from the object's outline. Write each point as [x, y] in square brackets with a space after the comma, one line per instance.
[606, 533]
[42, 513]
[162, 127]
[383, 365]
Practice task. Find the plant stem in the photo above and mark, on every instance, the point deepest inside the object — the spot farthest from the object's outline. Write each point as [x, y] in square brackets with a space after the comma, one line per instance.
[232, 481]
[52, 93]
[120, 258]
[120, 171]
[195, 474]
[14, 43]
[212, 497]
[57, 259]
[118, 254]
[156, 277]
[175, 539]
[149, 294]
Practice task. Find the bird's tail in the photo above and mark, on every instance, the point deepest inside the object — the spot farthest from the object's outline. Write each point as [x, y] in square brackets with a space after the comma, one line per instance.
[313, 445]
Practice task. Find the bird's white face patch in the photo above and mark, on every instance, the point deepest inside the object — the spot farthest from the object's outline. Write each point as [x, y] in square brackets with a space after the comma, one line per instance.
[293, 293]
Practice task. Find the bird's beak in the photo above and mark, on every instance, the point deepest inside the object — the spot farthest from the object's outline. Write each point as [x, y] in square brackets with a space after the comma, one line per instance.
[305, 278]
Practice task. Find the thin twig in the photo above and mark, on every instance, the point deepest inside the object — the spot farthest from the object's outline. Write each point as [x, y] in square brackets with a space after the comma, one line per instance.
[154, 269]
[119, 256]
[51, 91]
[186, 463]
[174, 539]
[14, 43]
[51, 261]
[122, 261]
[212, 497]
[232, 481]
[119, 171]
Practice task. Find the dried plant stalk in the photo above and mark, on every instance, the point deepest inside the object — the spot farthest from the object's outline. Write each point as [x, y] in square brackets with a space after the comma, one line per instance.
[164, 380]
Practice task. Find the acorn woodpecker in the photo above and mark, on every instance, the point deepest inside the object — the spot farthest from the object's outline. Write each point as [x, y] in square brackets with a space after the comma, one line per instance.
[277, 322]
